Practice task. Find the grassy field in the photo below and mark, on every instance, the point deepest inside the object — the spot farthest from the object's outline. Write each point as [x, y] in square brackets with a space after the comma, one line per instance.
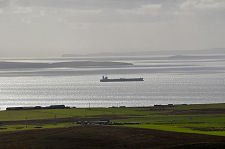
[15, 115]
[201, 119]
[65, 113]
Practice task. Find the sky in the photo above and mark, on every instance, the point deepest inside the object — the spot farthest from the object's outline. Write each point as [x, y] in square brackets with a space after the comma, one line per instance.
[48, 28]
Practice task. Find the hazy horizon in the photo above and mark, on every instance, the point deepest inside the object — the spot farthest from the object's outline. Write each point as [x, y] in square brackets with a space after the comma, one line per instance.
[153, 53]
[48, 28]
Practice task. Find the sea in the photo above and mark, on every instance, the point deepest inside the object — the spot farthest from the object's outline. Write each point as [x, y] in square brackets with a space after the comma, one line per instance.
[168, 79]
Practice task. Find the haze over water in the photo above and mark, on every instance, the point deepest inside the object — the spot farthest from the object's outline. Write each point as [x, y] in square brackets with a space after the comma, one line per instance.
[169, 79]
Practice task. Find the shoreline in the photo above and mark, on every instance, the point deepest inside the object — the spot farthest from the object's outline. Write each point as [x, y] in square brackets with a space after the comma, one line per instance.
[61, 106]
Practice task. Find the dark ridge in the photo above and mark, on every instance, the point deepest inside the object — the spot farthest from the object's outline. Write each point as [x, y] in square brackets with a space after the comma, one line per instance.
[106, 137]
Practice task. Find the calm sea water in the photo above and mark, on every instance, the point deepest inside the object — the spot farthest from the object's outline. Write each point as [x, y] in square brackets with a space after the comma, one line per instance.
[166, 82]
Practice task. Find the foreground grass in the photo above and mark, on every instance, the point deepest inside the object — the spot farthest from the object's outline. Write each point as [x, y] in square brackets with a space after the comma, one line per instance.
[200, 106]
[177, 128]
[158, 118]
[31, 127]
[15, 115]
[101, 137]
[65, 113]
[201, 124]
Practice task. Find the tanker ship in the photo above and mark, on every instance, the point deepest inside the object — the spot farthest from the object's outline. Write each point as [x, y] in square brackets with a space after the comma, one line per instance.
[106, 79]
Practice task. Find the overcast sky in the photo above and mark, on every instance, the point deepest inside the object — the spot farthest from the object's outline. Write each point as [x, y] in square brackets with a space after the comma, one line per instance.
[55, 27]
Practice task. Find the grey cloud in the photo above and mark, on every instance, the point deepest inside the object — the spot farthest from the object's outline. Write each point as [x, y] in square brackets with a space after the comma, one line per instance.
[88, 3]
[4, 3]
[203, 4]
[116, 4]
[113, 10]
[55, 25]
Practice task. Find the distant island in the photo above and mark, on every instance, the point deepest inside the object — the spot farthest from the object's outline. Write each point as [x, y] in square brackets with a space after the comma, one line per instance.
[72, 64]
[213, 51]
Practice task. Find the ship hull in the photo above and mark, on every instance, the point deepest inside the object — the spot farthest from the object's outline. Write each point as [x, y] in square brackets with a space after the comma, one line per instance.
[121, 80]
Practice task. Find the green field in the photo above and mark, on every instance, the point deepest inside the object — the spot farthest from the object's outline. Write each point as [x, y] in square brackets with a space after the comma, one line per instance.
[15, 115]
[202, 119]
